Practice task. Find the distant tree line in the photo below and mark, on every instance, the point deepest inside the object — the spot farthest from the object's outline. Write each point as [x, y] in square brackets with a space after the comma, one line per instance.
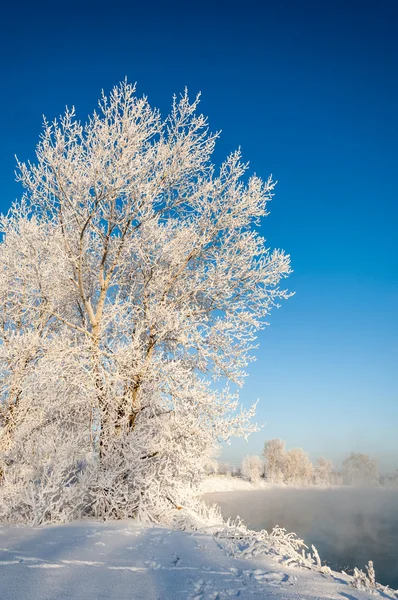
[294, 467]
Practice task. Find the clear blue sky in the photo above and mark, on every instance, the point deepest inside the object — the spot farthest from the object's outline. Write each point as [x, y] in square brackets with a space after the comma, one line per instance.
[310, 92]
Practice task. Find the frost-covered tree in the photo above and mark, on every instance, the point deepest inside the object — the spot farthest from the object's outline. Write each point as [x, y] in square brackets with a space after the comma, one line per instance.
[336, 478]
[323, 471]
[132, 277]
[252, 468]
[297, 467]
[389, 481]
[274, 455]
[360, 469]
[224, 469]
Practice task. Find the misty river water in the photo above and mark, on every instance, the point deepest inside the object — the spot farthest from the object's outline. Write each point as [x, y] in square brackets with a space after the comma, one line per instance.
[348, 526]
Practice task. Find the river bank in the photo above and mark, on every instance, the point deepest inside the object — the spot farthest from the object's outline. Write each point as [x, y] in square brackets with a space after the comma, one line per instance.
[89, 560]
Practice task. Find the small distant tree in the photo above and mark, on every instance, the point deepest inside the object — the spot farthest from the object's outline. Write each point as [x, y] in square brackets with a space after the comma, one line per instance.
[223, 469]
[336, 478]
[211, 467]
[274, 455]
[252, 468]
[390, 481]
[360, 469]
[298, 468]
[235, 471]
[323, 471]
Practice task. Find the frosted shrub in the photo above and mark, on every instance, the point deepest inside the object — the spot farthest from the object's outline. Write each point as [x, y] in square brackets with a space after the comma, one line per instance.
[365, 581]
[241, 542]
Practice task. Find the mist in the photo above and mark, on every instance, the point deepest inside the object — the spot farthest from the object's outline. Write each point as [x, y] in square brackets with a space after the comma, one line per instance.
[348, 526]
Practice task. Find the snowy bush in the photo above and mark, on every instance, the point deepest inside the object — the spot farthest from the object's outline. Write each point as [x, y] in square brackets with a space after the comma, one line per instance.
[241, 542]
[131, 278]
[252, 468]
[364, 581]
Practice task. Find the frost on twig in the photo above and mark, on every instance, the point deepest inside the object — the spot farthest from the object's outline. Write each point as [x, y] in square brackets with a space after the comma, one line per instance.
[367, 582]
[243, 542]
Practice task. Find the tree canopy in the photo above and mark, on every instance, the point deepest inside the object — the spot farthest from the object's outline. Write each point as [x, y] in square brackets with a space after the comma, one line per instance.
[133, 278]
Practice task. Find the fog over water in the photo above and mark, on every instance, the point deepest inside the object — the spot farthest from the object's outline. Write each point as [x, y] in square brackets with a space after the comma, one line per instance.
[349, 526]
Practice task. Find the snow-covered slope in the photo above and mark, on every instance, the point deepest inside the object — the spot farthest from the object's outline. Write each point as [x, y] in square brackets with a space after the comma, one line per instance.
[125, 561]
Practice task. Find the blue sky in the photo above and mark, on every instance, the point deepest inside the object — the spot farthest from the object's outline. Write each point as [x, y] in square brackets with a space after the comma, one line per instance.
[310, 92]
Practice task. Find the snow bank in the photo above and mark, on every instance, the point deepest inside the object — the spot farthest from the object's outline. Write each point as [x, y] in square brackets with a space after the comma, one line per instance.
[124, 561]
[223, 483]
[226, 483]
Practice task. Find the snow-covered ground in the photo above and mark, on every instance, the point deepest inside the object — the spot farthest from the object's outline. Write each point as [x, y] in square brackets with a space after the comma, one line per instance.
[227, 483]
[125, 561]
[224, 483]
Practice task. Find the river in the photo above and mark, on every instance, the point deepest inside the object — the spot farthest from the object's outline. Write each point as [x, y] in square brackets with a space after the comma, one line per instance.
[348, 526]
